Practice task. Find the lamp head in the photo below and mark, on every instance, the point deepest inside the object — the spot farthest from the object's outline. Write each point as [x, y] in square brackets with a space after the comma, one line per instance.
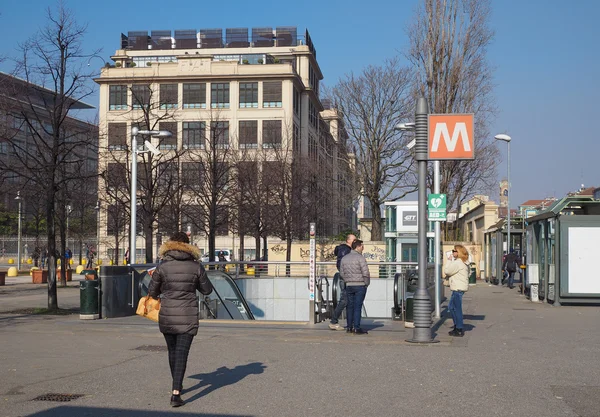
[163, 134]
[503, 137]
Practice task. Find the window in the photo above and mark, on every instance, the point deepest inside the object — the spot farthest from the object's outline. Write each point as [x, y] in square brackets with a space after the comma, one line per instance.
[116, 221]
[296, 138]
[296, 102]
[117, 97]
[194, 96]
[409, 252]
[167, 175]
[116, 176]
[248, 134]
[193, 135]
[168, 96]
[222, 222]
[140, 96]
[117, 136]
[272, 134]
[248, 95]
[169, 143]
[247, 178]
[312, 147]
[219, 95]
[192, 175]
[272, 94]
[220, 134]
[313, 117]
[193, 216]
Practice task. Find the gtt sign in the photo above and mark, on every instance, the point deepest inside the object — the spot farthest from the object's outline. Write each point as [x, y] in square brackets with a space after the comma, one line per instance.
[451, 136]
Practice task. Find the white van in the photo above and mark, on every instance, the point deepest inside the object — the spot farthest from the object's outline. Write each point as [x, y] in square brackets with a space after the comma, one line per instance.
[227, 253]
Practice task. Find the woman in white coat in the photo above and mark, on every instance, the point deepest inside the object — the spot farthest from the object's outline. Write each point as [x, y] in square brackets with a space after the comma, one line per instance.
[457, 276]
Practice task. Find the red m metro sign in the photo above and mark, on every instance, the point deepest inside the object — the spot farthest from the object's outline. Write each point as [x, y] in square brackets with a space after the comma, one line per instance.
[451, 136]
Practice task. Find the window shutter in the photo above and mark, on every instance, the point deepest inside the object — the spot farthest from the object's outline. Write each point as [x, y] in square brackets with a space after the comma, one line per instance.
[272, 91]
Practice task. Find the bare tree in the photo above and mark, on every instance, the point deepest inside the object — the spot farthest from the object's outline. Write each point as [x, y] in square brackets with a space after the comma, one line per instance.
[209, 178]
[448, 51]
[372, 104]
[160, 186]
[54, 84]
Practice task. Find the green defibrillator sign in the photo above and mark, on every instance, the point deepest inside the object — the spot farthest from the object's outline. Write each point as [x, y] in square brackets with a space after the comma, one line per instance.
[436, 207]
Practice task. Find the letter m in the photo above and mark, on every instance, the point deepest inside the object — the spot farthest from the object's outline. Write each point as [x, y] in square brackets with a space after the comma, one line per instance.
[441, 130]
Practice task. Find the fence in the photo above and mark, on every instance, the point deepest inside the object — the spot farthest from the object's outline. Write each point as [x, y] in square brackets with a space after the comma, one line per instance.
[9, 246]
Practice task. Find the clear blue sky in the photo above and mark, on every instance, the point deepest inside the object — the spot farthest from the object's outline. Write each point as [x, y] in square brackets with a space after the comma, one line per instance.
[545, 54]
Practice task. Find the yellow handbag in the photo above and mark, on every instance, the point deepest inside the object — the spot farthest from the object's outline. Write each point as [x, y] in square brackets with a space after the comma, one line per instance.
[149, 308]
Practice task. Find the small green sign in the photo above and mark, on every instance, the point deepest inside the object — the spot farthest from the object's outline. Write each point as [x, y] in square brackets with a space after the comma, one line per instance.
[436, 207]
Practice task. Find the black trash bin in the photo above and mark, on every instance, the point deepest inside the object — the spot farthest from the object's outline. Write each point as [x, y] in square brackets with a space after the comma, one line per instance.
[88, 300]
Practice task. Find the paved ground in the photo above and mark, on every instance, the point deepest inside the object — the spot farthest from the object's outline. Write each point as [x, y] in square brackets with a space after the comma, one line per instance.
[517, 359]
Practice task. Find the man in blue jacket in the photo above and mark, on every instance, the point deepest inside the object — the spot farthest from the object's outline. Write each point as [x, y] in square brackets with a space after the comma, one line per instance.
[340, 251]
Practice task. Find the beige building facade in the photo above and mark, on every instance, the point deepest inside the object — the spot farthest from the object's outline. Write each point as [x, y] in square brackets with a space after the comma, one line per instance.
[253, 92]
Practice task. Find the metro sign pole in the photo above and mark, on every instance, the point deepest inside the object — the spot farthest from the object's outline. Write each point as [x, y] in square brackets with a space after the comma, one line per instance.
[422, 301]
[437, 137]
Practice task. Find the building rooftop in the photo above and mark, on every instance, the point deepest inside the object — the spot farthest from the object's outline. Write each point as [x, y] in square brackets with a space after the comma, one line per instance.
[214, 39]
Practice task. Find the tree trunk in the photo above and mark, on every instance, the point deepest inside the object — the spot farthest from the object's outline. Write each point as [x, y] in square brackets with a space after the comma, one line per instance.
[376, 227]
[241, 254]
[52, 293]
[288, 255]
[265, 249]
[257, 243]
[148, 241]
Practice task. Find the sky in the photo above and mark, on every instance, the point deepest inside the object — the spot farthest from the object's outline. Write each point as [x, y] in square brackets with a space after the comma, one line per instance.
[545, 56]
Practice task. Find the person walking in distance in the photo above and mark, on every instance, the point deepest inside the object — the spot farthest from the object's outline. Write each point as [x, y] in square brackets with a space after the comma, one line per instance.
[457, 276]
[510, 265]
[176, 280]
[355, 271]
[340, 251]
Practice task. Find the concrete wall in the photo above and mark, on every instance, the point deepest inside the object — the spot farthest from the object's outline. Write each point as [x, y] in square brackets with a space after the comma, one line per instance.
[286, 299]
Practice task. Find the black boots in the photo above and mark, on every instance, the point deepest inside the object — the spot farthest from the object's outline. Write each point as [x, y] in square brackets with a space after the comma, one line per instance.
[457, 332]
[176, 401]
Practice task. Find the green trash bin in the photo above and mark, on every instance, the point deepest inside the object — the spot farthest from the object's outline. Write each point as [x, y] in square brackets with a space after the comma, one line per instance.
[473, 275]
[88, 300]
[409, 311]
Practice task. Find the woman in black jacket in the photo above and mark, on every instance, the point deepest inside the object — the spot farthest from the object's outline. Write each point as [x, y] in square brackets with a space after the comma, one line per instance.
[176, 280]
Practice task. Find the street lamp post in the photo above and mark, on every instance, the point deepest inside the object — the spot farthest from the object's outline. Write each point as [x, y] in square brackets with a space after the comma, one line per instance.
[18, 198]
[134, 153]
[97, 208]
[507, 139]
[67, 233]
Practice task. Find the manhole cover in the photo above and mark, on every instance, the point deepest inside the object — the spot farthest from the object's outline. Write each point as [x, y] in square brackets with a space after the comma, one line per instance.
[62, 398]
[524, 309]
[497, 292]
[151, 348]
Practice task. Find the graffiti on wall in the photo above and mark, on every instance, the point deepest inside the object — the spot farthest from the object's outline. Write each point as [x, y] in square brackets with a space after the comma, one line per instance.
[374, 254]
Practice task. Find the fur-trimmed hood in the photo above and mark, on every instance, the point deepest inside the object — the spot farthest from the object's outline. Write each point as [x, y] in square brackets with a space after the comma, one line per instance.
[179, 250]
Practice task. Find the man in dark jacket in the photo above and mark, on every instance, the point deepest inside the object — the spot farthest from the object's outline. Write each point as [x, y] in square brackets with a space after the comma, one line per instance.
[510, 265]
[340, 251]
[176, 279]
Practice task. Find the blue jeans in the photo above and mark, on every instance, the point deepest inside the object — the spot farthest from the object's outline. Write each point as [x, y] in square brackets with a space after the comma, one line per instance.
[511, 278]
[356, 296]
[455, 308]
[341, 305]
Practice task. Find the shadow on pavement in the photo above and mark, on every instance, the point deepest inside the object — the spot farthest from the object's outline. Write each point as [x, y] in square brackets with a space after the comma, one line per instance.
[221, 378]
[67, 411]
